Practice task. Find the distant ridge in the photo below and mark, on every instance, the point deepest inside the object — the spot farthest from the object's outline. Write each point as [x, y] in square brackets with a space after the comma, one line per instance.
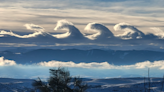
[116, 57]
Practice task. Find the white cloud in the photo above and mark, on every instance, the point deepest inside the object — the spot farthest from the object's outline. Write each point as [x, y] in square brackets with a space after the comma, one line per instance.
[130, 31]
[34, 27]
[100, 29]
[64, 25]
[38, 31]
[16, 45]
[93, 70]
[5, 33]
[5, 62]
[72, 31]
[105, 65]
[158, 32]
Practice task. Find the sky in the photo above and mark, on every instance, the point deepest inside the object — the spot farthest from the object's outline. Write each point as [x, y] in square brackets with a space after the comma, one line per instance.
[141, 13]
[125, 19]
[103, 24]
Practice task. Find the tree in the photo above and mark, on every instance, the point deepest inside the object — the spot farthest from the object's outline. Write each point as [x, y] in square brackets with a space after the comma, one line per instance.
[60, 81]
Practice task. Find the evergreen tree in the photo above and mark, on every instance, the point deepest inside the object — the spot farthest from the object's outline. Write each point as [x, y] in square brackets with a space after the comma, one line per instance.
[60, 81]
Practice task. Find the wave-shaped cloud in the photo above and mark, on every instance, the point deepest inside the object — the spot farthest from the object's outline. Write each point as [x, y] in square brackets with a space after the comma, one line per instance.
[102, 31]
[4, 33]
[5, 62]
[72, 31]
[158, 32]
[131, 32]
[104, 37]
[38, 31]
[34, 27]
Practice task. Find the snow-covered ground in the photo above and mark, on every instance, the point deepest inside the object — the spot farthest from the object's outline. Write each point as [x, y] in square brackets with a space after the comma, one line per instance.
[95, 85]
[15, 85]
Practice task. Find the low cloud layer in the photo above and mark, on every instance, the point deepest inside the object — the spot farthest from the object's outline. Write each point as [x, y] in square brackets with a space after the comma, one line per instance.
[5, 62]
[105, 65]
[94, 65]
[91, 70]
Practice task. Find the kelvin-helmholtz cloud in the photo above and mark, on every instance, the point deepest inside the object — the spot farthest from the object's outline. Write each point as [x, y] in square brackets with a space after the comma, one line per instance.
[38, 31]
[101, 31]
[99, 34]
[72, 31]
[130, 32]
[93, 69]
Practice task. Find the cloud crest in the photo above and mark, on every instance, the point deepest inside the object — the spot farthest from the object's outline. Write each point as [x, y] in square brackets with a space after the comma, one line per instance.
[34, 27]
[101, 31]
[158, 32]
[72, 31]
[130, 32]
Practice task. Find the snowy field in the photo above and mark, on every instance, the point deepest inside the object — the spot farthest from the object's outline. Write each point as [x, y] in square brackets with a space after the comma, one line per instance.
[95, 85]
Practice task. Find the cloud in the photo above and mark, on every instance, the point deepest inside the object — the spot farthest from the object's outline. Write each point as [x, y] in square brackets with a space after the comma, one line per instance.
[101, 31]
[34, 27]
[72, 31]
[135, 39]
[130, 32]
[4, 33]
[72, 64]
[105, 65]
[9, 68]
[38, 31]
[158, 32]
[16, 45]
[5, 62]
